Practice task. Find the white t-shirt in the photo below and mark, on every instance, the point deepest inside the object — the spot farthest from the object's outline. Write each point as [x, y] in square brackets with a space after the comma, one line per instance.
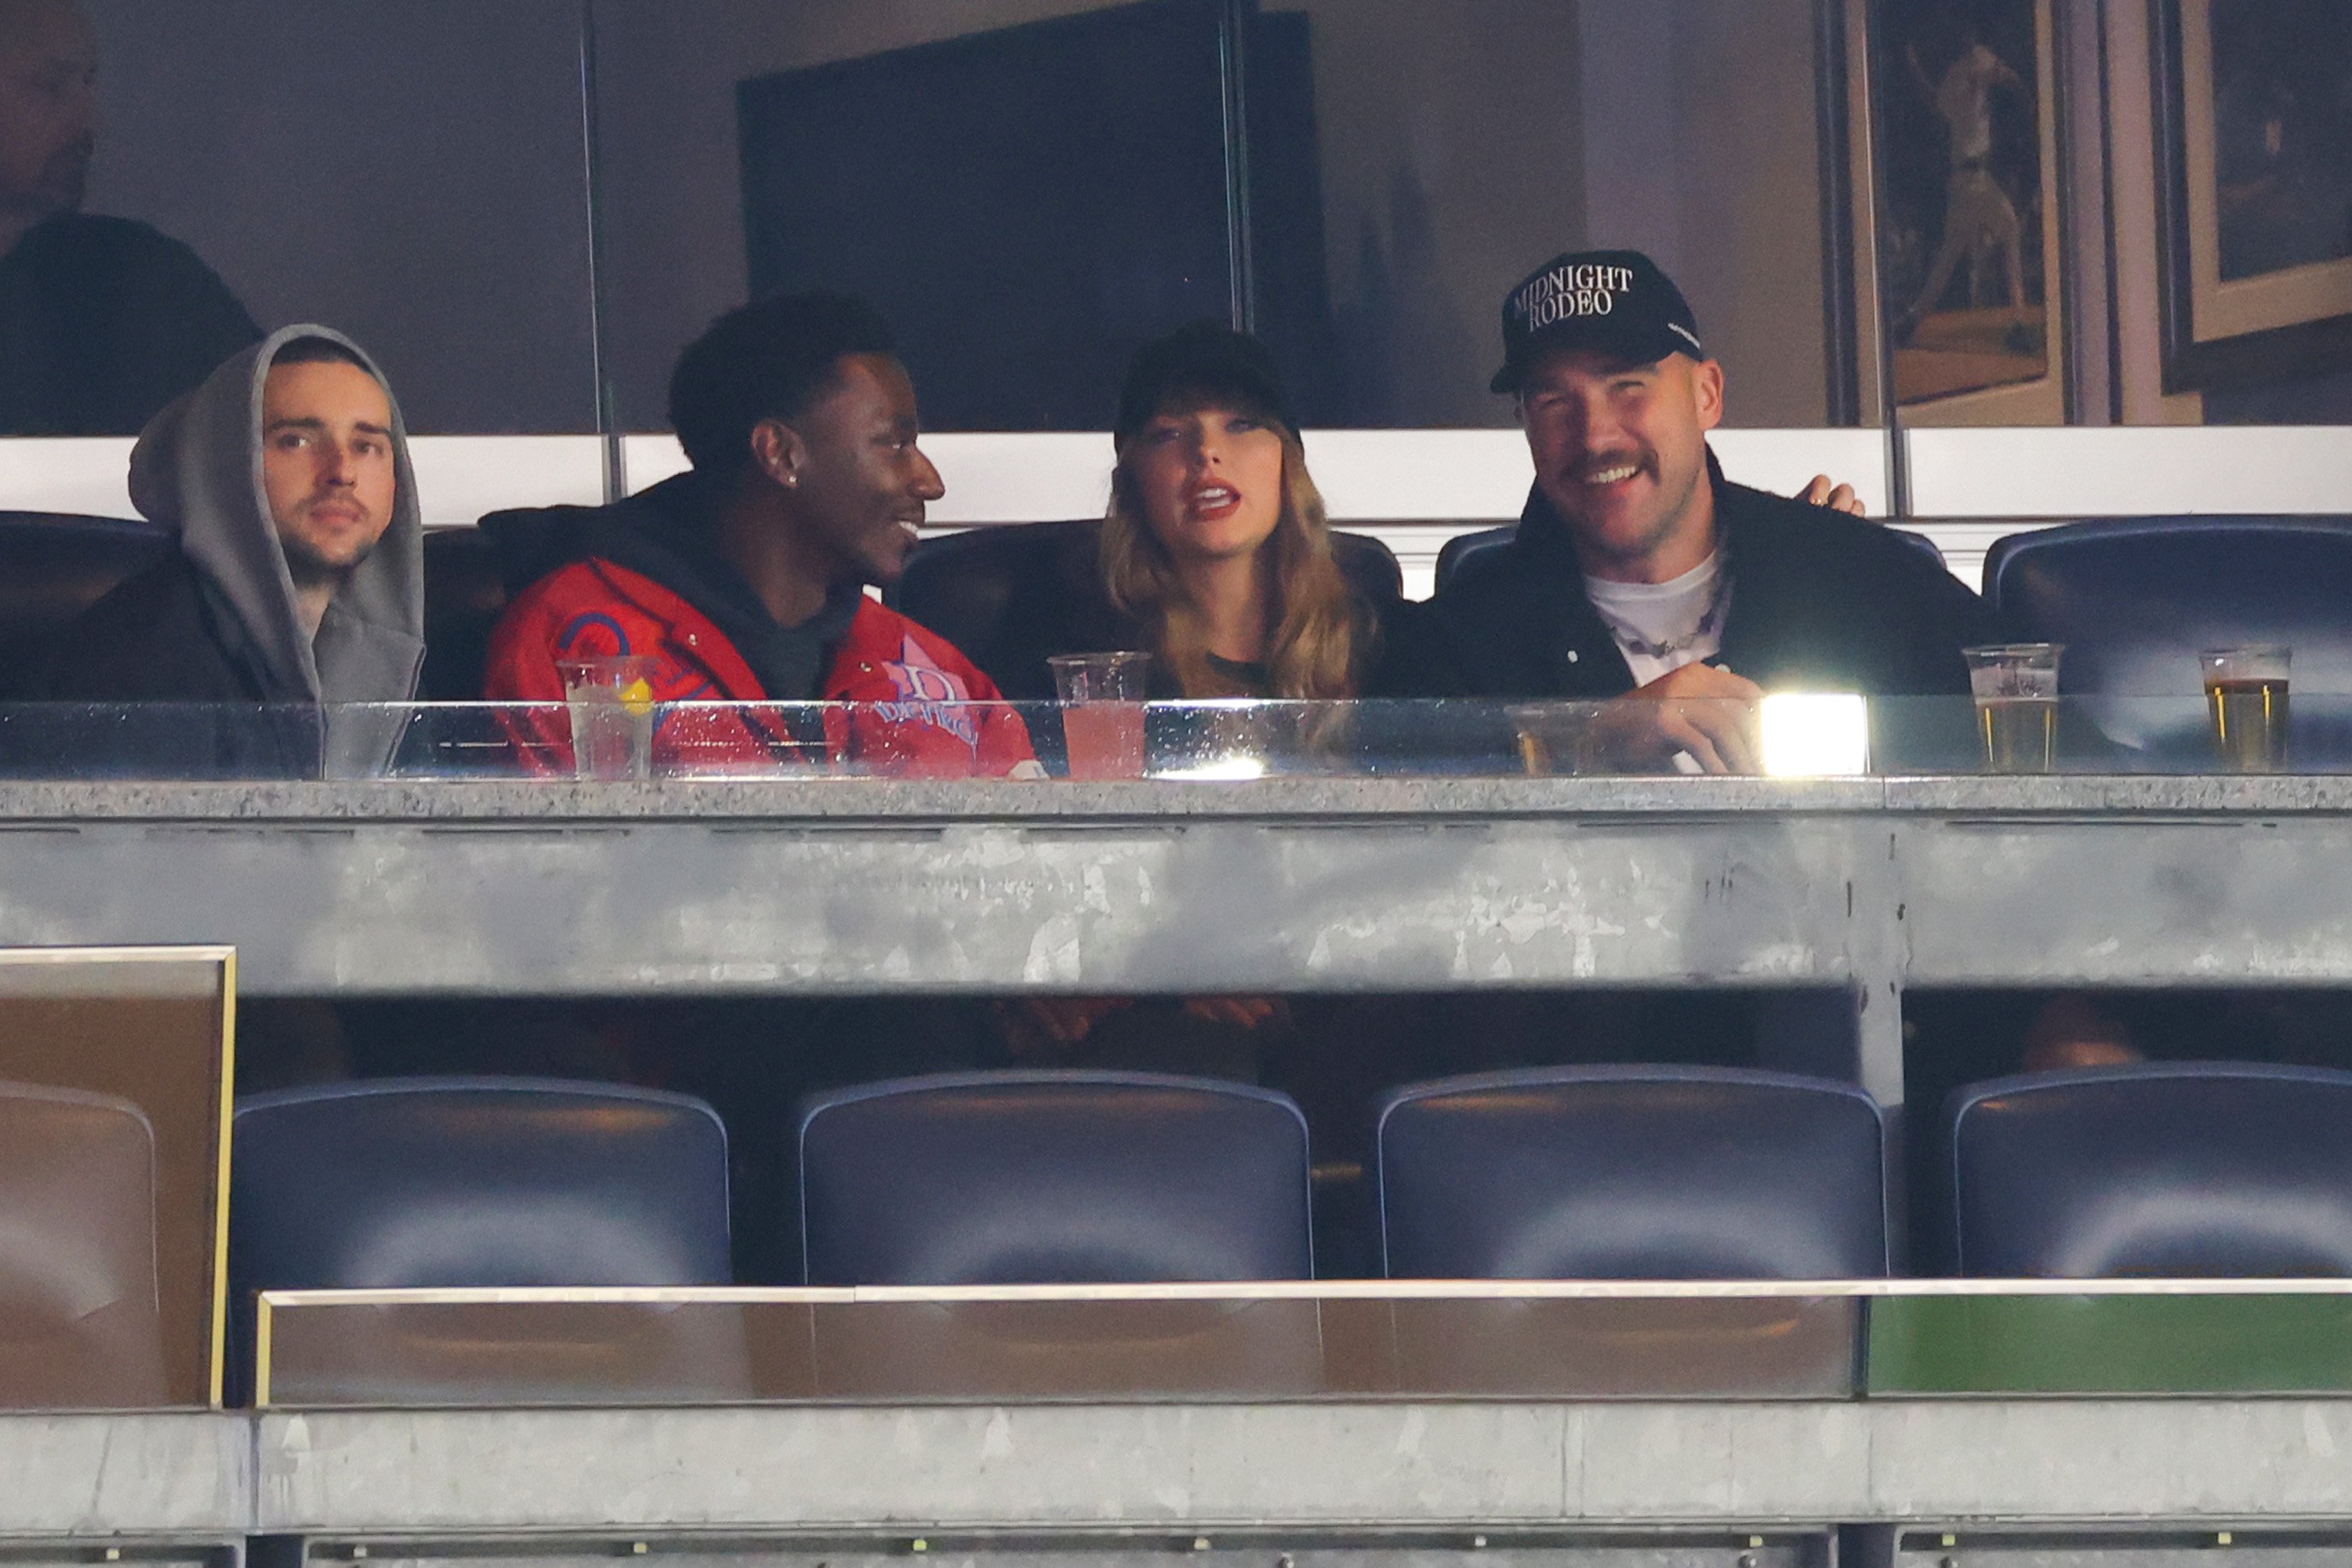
[1644, 616]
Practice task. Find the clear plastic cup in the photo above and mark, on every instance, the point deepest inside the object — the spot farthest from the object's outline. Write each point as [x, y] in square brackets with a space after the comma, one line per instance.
[611, 704]
[1102, 712]
[2245, 697]
[2016, 689]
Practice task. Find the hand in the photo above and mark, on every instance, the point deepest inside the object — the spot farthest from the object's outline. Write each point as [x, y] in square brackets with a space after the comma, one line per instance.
[1246, 1011]
[1040, 1028]
[1707, 713]
[1836, 496]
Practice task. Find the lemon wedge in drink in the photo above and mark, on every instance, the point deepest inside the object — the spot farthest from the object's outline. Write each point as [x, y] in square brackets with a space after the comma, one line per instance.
[637, 697]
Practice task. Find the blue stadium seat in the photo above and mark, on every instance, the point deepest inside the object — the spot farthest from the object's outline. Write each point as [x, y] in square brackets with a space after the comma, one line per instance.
[1052, 1177]
[2173, 1169]
[476, 1181]
[80, 1323]
[1632, 1172]
[1465, 547]
[2133, 599]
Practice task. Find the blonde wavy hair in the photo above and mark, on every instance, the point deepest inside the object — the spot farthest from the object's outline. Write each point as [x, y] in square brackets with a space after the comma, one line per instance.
[1313, 641]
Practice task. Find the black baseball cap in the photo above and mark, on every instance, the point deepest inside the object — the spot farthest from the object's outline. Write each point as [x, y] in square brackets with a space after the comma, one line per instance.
[1615, 300]
[1205, 359]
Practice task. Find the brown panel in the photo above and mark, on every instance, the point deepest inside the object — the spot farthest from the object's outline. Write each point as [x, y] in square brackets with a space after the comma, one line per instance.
[1069, 1349]
[143, 1040]
[1768, 1347]
[365, 1349]
[560, 1353]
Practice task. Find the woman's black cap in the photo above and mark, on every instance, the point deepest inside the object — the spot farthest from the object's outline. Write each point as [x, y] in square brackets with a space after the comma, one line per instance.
[1206, 358]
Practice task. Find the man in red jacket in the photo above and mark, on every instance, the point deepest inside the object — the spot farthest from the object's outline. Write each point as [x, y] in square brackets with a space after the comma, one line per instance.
[744, 580]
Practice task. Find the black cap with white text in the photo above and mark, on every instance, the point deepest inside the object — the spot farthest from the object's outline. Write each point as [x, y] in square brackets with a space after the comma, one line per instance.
[1618, 301]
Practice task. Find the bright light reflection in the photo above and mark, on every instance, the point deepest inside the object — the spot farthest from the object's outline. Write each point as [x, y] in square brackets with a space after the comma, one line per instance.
[1221, 770]
[1816, 734]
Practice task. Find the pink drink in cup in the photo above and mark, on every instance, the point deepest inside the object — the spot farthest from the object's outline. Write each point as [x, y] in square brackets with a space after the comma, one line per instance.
[1102, 712]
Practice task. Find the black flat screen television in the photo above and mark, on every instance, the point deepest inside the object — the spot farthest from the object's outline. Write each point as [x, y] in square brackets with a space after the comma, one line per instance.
[1028, 204]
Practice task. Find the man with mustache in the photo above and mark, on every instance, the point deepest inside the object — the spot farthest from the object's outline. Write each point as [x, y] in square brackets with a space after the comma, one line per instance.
[1639, 571]
[743, 580]
[102, 321]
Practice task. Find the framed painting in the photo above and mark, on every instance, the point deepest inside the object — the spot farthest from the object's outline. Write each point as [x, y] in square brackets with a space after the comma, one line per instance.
[1964, 150]
[2255, 187]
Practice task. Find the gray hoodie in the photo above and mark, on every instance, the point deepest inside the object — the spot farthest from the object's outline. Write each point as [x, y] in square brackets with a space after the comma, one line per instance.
[197, 469]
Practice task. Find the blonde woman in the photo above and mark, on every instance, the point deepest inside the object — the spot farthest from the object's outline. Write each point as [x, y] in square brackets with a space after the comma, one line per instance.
[1215, 557]
[1216, 560]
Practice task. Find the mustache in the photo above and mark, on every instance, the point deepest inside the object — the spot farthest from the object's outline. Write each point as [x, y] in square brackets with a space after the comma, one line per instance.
[1643, 457]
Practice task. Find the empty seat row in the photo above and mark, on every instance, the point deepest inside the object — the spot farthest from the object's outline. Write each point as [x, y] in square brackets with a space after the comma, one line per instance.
[1566, 1173]
[1572, 1172]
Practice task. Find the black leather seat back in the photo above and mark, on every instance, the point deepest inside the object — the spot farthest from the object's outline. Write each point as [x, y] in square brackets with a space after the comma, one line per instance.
[2174, 1169]
[465, 594]
[53, 566]
[457, 1181]
[2135, 599]
[1632, 1172]
[1052, 1177]
[1464, 547]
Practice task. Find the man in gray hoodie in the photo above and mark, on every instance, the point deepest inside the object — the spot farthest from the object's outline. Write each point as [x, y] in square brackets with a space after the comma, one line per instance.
[300, 577]
[300, 571]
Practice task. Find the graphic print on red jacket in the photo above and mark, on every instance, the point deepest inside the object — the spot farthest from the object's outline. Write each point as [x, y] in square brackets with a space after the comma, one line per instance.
[925, 711]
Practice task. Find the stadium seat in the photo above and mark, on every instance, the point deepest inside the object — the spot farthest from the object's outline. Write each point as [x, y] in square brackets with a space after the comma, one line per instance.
[1006, 595]
[2173, 1169]
[1466, 547]
[54, 566]
[2134, 600]
[465, 594]
[79, 1318]
[1052, 1177]
[1632, 1172]
[477, 1181]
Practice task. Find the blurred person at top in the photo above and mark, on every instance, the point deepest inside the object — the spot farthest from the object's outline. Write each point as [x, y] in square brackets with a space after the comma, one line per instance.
[103, 321]
[744, 580]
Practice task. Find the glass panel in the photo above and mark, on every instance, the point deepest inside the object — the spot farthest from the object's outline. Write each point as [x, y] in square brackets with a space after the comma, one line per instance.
[1791, 736]
[1028, 188]
[412, 174]
[1410, 164]
[1085, 1343]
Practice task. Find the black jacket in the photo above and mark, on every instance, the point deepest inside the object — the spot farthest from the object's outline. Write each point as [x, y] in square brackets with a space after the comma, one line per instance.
[164, 641]
[1820, 601]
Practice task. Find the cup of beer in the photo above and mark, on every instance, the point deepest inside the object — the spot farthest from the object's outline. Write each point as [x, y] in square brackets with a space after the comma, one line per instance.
[2016, 687]
[2246, 697]
[1102, 712]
